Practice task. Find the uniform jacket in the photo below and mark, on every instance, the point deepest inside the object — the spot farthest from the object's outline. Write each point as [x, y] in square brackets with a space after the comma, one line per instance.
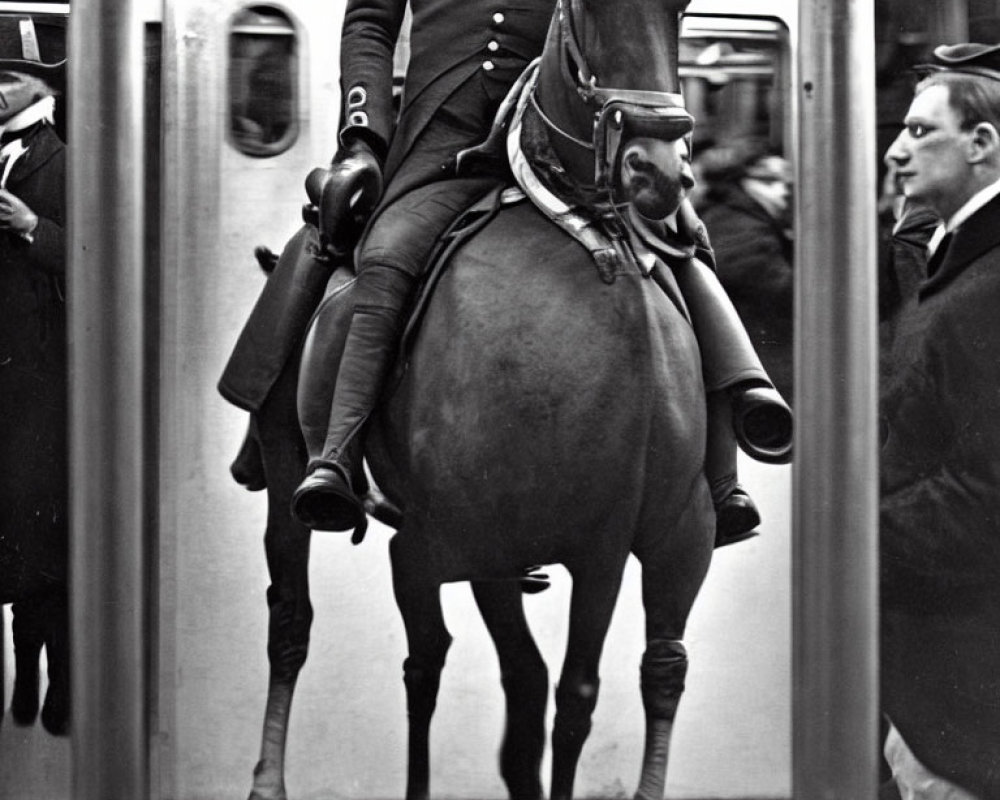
[33, 377]
[940, 514]
[753, 255]
[451, 42]
[464, 55]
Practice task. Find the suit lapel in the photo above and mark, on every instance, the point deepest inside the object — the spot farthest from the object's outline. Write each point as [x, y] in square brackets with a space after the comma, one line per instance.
[979, 234]
[41, 146]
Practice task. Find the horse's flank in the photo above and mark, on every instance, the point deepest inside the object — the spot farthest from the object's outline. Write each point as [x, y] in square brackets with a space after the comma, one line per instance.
[543, 401]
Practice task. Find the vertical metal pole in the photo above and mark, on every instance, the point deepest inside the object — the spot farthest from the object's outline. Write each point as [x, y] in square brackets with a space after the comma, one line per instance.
[107, 445]
[835, 581]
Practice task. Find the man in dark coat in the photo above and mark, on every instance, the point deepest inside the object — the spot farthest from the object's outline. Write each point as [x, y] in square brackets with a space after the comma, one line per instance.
[940, 507]
[33, 366]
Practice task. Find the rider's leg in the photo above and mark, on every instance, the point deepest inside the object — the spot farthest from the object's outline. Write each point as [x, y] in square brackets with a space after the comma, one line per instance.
[761, 419]
[391, 261]
[743, 406]
[736, 515]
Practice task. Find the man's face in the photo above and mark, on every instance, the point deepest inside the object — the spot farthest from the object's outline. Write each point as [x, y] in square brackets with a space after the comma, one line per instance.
[656, 175]
[769, 185]
[17, 92]
[930, 155]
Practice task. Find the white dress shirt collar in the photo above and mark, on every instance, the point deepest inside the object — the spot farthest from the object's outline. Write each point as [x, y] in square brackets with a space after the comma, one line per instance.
[971, 206]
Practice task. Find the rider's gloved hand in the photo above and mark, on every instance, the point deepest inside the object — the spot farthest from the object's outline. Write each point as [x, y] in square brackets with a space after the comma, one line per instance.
[345, 194]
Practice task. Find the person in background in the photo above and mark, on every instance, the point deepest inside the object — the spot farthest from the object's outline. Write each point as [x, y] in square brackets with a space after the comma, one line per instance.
[34, 484]
[940, 454]
[746, 207]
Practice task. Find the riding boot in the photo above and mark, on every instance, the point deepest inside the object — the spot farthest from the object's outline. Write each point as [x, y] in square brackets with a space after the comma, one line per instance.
[327, 499]
[761, 420]
[736, 515]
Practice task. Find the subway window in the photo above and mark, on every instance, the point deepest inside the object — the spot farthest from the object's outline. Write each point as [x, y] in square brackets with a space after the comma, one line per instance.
[263, 69]
[735, 77]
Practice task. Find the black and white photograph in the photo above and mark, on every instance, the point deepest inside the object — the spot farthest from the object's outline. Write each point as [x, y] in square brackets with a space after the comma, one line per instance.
[485, 399]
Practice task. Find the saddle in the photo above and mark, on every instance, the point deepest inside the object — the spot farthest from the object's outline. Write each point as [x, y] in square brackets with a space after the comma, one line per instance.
[465, 226]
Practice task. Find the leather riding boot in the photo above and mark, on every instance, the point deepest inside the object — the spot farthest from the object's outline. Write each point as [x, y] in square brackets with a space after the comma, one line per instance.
[736, 518]
[762, 422]
[736, 515]
[728, 356]
[761, 419]
[327, 499]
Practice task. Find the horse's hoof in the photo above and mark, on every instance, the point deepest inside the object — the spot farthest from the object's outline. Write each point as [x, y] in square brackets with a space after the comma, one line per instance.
[267, 786]
[762, 422]
[324, 502]
[24, 703]
[736, 517]
[55, 714]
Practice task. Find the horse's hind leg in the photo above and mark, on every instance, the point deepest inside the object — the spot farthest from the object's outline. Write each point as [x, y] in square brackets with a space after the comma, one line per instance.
[671, 578]
[418, 596]
[526, 687]
[595, 591]
[286, 545]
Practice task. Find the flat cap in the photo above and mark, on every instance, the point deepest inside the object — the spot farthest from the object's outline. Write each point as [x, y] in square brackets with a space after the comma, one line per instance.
[969, 58]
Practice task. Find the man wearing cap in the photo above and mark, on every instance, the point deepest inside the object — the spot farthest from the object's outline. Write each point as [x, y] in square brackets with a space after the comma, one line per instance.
[940, 504]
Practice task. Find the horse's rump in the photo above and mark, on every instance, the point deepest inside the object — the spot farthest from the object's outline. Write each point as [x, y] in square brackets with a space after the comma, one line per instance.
[527, 376]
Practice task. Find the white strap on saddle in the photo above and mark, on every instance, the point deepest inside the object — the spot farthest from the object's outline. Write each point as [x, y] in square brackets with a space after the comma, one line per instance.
[581, 228]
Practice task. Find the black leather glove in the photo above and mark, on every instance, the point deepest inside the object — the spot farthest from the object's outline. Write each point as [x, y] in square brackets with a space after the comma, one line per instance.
[344, 195]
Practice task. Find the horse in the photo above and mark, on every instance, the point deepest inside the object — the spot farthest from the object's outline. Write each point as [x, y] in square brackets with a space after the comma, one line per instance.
[596, 384]
[547, 416]
[273, 457]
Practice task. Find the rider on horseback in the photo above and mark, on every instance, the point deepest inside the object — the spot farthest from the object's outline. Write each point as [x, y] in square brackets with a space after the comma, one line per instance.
[464, 57]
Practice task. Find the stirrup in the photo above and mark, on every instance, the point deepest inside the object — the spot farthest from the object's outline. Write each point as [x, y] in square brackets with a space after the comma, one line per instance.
[762, 422]
[324, 501]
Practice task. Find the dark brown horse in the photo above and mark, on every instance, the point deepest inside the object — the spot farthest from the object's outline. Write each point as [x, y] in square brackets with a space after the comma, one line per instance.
[547, 416]
[544, 416]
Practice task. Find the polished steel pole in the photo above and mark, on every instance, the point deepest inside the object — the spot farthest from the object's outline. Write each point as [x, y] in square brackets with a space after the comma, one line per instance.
[109, 591]
[835, 580]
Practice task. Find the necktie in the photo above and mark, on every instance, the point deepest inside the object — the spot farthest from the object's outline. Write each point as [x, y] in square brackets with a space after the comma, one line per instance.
[935, 261]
